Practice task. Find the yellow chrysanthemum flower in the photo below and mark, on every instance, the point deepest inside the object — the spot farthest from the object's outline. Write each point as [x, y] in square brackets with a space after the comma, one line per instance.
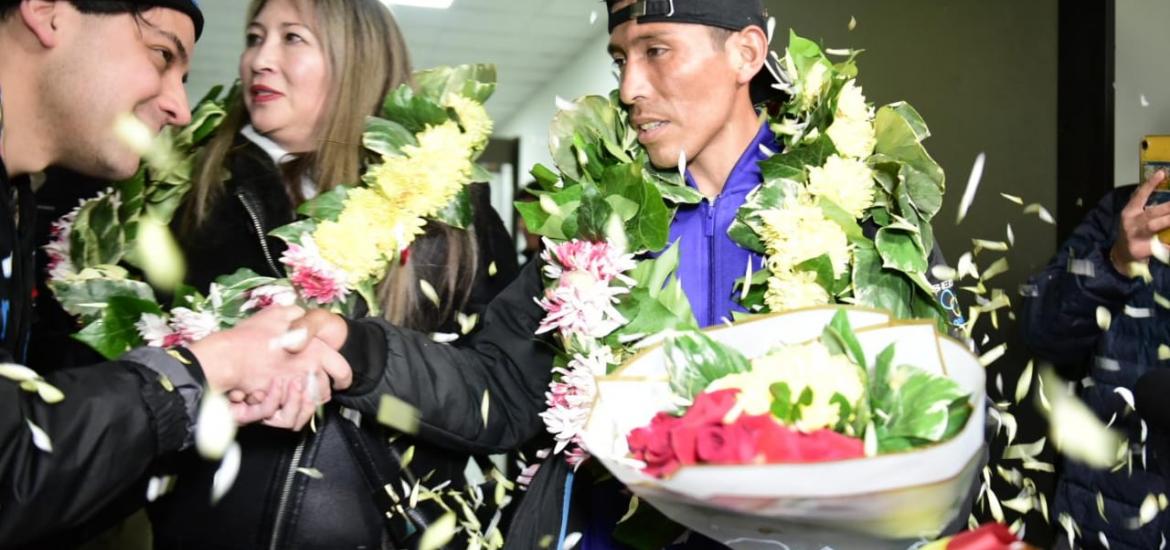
[425, 180]
[477, 125]
[798, 232]
[789, 290]
[847, 182]
[369, 232]
[801, 366]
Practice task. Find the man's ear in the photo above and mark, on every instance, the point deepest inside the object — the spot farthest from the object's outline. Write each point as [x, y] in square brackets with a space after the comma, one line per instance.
[41, 18]
[750, 45]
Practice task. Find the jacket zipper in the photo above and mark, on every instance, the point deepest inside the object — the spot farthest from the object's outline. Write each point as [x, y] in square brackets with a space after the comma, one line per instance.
[260, 234]
[711, 261]
[286, 491]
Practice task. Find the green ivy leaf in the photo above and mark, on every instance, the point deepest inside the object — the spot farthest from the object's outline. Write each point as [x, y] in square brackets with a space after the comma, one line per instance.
[386, 137]
[476, 81]
[694, 360]
[413, 112]
[877, 287]
[115, 333]
[458, 213]
[900, 250]
[327, 205]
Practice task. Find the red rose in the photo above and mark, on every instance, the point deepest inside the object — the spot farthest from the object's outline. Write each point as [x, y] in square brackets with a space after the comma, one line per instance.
[652, 445]
[725, 444]
[710, 408]
[774, 441]
[823, 445]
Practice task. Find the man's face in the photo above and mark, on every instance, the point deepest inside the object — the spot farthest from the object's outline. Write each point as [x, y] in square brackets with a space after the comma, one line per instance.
[678, 84]
[108, 66]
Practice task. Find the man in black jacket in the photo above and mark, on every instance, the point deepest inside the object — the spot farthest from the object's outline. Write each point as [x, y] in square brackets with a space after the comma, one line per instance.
[68, 69]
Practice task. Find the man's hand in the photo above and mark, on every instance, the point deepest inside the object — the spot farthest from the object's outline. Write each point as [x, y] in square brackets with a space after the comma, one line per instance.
[1139, 225]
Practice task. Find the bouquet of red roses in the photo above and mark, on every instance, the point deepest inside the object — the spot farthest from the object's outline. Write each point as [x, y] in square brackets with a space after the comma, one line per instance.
[843, 428]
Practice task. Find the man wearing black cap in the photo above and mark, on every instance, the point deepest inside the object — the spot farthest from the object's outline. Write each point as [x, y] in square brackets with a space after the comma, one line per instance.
[68, 70]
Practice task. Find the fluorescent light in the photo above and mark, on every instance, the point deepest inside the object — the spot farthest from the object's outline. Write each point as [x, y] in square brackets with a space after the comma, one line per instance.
[435, 4]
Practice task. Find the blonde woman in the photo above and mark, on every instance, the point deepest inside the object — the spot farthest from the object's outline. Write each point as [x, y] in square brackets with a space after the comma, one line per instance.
[311, 72]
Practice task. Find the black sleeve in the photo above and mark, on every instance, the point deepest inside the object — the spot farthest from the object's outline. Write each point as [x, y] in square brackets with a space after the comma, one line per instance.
[1059, 320]
[447, 384]
[115, 420]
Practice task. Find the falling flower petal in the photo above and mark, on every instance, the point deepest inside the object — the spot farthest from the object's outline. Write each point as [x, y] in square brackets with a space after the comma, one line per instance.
[1013, 198]
[492, 270]
[1159, 250]
[998, 267]
[944, 273]
[1024, 383]
[571, 540]
[992, 355]
[1011, 236]
[439, 533]
[215, 429]
[225, 475]
[39, 437]
[429, 291]
[1145, 102]
[592, 17]
[444, 337]
[1126, 395]
[565, 105]
[1075, 429]
[1040, 211]
[1104, 318]
[852, 23]
[311, 472]
[630, 512]
[972, 187]
[483, 407]
[398, 414]
[17, 373]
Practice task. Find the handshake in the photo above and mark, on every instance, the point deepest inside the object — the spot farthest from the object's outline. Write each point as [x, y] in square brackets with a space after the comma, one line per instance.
[278, 365]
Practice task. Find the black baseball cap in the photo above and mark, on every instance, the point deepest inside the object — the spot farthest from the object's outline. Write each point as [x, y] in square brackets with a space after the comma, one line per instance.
[733, 15]
[188, 7]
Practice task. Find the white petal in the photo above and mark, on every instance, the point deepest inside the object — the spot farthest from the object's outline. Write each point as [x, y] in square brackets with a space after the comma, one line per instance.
[972, 186]
[225, 475]
[39, 437]
[215, 429]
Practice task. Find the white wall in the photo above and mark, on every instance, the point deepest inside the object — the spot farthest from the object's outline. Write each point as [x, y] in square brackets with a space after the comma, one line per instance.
[1141, 70]
[589, 73]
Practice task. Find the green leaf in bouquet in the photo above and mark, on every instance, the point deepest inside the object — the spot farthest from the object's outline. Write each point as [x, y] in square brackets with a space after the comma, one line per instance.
[919, 407]
[900, 131]
[593, 214]
[547, 216]
[386, 137]
[647, 529]
[786, 409]
[650, 315]
[327, 205]
[479, 174]
[594, 119]
[754, 300]
[623, 207]
[87, 298]
[839, 338]
[846, 416]
[804, 53]
[545, 177]
[413, 112]
[131, 193]
[925, 193]
[694, 360]
[205, 118]
[678, 194]
[115, 332]
[458, 213]
[768, 196]
[241, 281]
[186, 296]
[900, 250]
[366, 292]
[842, 218]
[229, 293]
[292, 232]
[881, 217]
[791, 163]
[588, 158]
[823, 266]
[877, 287]
[97, 237]
[476, 81]
[650, 227]
[652, 273]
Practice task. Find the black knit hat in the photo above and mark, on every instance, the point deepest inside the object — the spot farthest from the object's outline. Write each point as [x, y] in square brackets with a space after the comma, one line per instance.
[188, 7]
[734, 15]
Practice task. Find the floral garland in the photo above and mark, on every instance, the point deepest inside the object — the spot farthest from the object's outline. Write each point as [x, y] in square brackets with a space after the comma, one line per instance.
[425, 143]
[842, 216]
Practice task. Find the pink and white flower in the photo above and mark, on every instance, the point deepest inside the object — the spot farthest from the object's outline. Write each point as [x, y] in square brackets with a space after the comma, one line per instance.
[156, 331]
[192, 326]
[570, 400]
[314, 278]
[58, 249]
[583, 299]
[269, 295]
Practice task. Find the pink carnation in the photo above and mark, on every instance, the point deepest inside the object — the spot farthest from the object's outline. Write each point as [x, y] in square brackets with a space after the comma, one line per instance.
[313, 277]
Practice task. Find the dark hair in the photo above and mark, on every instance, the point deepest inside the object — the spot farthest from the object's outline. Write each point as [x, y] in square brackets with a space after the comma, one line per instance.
[107, 7]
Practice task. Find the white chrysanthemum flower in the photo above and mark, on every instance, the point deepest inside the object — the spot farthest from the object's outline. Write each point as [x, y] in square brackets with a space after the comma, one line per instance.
[798, 232]
[269, 295]
[813, 85]
[853, 137]
[847, 182]
[193, 326]
[789, 290]
[851, 103]
[569, 401]
[155, 330]
[802, 366]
